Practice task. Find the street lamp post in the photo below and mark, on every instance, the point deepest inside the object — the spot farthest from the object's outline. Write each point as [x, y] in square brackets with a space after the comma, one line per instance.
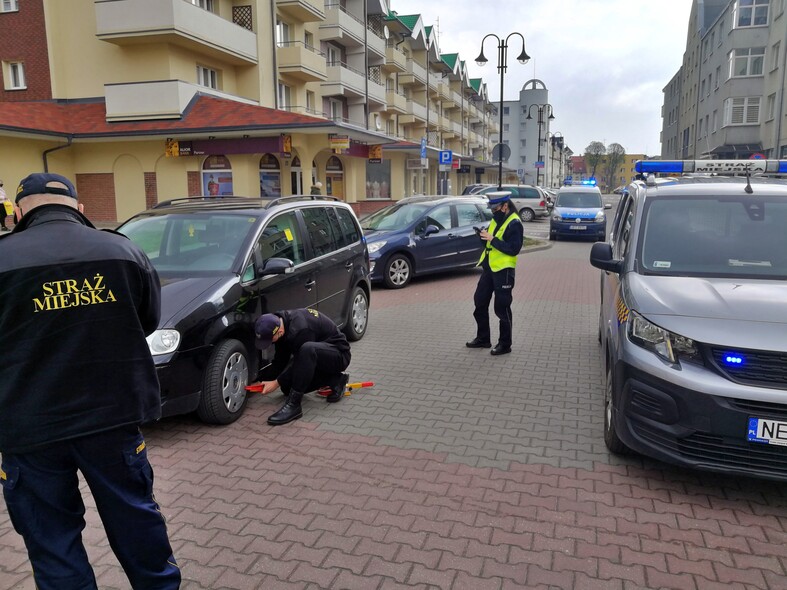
[542, 108]
[555, 139]
[502, 66]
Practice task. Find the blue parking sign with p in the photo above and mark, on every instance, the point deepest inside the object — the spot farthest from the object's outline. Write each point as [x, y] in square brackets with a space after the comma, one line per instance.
[446, 156]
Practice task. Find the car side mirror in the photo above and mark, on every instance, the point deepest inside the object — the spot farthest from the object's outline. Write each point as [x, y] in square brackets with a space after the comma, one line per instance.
[276, 266]
[607, 206]
[601, 257]
[431, 229]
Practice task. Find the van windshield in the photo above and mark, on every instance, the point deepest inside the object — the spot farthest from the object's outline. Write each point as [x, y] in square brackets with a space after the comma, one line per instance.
[395, 216]
[588, 200]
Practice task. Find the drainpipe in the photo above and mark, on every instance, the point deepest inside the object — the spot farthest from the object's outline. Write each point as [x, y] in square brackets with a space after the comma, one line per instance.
[54, 149]
[275, 69]
[366, 60]
[777, 142]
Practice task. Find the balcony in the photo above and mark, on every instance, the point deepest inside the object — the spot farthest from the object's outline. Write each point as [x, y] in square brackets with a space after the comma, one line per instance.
[161, 99]
[445, 95]
[396, 102]
[395, 60]
[376, 45]
[445, 124]
[340, 25]
[344, 80]
[377, 96]
[457, 127]
[305, 11]
[180, 23]
[301, 61]
[416, 113]
[415, 73]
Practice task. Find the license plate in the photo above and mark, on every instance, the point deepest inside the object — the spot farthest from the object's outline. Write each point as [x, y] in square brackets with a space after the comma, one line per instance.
[769, 432]
[580, 227]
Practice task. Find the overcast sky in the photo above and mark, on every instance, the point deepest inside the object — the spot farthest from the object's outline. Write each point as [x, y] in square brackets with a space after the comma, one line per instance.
[604, 62]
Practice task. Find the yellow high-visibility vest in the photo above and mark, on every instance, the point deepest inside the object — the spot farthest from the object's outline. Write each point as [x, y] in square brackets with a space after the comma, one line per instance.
[498, 260]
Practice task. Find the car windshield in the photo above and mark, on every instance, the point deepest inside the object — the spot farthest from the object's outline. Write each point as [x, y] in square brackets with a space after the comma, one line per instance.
[577, 200]
[721, 237]
[189, 242]
[395, 216]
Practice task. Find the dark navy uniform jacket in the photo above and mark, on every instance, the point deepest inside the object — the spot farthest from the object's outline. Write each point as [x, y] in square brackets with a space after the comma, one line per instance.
[302, 326]
[76, 304]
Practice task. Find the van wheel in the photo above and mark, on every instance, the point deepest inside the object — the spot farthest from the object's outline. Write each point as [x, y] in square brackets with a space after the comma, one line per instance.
[224, 388]
[611, 438]
[398, 271]
[358, 317]
[527, 215]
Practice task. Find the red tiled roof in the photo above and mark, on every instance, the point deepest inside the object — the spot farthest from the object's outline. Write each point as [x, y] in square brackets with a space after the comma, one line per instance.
[88, 119]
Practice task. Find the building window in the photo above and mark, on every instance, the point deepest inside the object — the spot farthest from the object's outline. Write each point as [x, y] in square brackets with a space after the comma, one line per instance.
[718, 77]
[771, 106]
[9, 6]
[751, 13]
[505, 111]
[308, 39]
[207, 77]
[204, 4]
[310, 101]
[702, 90]
[775, 49]
[14, 75]
[505, 126]
[746, 62]
[715, 121]
[285, 96]
[282, 33]
[336, 109]
[741, 111]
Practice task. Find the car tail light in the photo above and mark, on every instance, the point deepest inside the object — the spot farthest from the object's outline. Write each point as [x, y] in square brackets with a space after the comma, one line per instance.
[542, 204]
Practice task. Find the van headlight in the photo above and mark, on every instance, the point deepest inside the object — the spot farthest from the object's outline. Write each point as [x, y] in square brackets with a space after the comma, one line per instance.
[600, 216]
[557, 217]
[163, 341]
[374, 247]
[666, 344]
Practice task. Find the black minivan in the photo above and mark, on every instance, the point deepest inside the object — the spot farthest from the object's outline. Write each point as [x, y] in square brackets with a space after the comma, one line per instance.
[225, 261]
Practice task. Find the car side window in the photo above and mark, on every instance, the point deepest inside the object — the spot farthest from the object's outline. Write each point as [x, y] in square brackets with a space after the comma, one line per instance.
[468, 214]
[530, 193]
[626, 224]
[282, 238]
[321, 234]
[441, 217]
[350, 234]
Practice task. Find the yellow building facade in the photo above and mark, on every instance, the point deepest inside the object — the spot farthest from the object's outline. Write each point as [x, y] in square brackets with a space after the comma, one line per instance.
[141, 101]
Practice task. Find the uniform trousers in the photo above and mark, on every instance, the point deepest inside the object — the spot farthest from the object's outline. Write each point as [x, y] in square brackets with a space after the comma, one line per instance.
[41, 490]
[501, 285]
[315, 365]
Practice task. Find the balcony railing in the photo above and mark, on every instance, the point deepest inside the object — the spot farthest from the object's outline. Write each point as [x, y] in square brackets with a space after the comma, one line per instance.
[304, 10]
[127, 22]
[301, 61]
[341, 24]
[348, 80]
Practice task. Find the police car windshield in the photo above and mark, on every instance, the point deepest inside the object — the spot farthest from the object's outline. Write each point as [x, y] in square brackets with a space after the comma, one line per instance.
[395, 216]
[578, 200]
[722, 237]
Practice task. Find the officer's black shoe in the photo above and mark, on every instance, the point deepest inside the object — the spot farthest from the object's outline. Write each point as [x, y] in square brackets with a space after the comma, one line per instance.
[289, 411]
[337, 391]
[476, 343]
[499, 349]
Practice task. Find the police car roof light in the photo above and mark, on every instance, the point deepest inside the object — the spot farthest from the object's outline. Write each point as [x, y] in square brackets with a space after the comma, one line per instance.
[711, 166]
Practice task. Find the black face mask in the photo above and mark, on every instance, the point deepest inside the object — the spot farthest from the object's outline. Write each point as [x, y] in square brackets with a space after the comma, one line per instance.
[499, 216]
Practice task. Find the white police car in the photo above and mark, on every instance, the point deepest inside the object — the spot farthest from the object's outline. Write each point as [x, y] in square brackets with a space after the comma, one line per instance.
[693, 318]
[579, 211]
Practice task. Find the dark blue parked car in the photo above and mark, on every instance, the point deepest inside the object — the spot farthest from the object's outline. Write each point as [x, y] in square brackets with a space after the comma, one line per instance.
[421, 235]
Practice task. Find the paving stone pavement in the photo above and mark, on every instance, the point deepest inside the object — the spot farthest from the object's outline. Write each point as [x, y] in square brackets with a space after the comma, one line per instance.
[458, 470]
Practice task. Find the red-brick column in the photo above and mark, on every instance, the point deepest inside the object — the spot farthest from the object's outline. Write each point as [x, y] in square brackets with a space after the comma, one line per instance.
[195, 186]
[97, 193]
[151, 191]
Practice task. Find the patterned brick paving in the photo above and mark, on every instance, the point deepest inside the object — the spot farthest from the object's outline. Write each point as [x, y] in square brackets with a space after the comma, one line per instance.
[457, 470]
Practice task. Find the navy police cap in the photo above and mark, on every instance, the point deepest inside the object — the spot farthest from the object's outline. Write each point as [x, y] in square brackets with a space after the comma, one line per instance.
[498, 198]
[40, 183]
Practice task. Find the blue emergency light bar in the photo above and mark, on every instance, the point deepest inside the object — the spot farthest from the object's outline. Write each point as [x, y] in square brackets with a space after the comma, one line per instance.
[711, 166]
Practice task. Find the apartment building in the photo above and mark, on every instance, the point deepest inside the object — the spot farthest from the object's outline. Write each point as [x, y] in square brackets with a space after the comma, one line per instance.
[145, 100]
[727, 99]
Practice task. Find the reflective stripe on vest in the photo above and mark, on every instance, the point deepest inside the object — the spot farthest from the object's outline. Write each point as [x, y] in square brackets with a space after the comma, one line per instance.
[498, 260]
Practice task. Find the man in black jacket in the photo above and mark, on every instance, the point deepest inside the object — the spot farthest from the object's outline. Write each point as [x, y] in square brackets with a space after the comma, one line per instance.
[76, 381]
[311, 352]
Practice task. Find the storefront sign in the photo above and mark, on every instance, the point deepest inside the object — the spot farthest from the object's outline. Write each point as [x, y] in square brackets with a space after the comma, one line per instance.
[375, 154]
[340, 142]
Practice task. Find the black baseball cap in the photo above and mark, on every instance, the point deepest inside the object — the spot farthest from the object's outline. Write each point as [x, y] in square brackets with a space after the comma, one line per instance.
[39, 183]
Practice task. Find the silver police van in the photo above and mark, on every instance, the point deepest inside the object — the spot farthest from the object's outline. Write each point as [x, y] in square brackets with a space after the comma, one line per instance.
[693, 319]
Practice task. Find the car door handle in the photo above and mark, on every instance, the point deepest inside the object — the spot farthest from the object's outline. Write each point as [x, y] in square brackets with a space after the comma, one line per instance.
[349, 266]
[310, 284]
[451, 236]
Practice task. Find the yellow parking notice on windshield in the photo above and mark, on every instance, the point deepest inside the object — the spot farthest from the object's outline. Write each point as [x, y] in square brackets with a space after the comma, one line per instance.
[288, 233]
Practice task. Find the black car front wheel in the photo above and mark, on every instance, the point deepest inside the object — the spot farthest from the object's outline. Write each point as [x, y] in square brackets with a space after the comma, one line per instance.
[398, 271]
[358, 316]
[224, 387]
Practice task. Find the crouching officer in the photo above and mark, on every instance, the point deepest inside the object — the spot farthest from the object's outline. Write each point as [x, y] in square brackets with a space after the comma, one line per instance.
[311, 352]
[504, 240]
[76, 381]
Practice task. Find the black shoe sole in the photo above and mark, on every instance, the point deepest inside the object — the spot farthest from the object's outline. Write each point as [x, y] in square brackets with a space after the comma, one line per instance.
[497, 352]
[287, 421]
[469, 345]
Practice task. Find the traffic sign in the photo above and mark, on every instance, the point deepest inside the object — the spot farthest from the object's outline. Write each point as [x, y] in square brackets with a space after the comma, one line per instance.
[501, 152]
[423, 147]
[539, 164]
[446, 156]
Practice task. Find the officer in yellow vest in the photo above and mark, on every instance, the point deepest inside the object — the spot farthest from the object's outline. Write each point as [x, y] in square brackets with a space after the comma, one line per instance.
[504, 240]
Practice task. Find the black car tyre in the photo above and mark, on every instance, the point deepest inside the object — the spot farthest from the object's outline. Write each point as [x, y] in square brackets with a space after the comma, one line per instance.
[398, 271]
[224, 387]
[358, 316]
[611, 438]
[552, 237]
[527, 215]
